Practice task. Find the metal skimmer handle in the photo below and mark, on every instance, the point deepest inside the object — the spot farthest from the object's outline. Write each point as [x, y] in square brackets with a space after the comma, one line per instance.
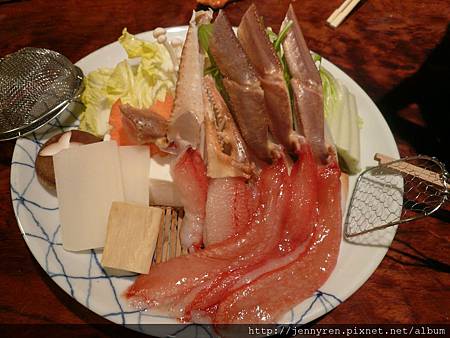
[36, 84]
[396, 192]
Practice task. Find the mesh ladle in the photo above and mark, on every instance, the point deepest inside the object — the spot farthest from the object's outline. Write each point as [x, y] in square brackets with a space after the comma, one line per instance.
[396, 192]
[36, 85]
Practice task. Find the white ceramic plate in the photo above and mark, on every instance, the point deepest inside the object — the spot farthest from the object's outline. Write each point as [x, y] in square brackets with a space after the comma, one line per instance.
[82, 276]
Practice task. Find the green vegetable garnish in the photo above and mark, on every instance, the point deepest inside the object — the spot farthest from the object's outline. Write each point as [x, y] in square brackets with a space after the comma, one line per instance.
[277, 40]
[282, 36]
[139, 83]
[342, 118]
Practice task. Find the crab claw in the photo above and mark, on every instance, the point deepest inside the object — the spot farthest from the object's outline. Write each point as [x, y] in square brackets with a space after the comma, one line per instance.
[306, 86]
[145, 125]
[226, 152]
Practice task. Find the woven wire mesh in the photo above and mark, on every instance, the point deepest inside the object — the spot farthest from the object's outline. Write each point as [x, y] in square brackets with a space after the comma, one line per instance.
[395, 193]
[34, 82]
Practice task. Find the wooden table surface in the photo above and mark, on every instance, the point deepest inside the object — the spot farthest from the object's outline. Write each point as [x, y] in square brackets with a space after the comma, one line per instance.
[398, 52]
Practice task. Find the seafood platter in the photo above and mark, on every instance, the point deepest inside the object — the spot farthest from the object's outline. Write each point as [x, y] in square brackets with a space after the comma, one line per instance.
[203, 179]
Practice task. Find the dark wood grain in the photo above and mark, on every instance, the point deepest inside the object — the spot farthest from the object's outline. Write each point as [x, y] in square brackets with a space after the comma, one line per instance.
[398, 51]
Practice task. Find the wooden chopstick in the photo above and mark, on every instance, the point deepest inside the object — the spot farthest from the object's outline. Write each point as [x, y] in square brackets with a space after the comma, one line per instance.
[168, 244]
[339, 15]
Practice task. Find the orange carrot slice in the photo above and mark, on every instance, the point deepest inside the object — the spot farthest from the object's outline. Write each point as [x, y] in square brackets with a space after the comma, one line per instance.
[163, 108]
[118, 132]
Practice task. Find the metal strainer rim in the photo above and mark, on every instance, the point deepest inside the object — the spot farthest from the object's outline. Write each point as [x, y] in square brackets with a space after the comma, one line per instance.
[53, 112]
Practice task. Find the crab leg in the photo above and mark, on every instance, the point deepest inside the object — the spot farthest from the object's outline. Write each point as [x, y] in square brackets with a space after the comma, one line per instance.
[189, 174]
[306, 85]
[180, 278]
[187, 116]
[273, 294]
[260, 51]
[244, 90]
[226, 152]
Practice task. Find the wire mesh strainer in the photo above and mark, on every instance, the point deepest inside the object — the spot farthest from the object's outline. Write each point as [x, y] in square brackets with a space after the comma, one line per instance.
[396, 192]
[36, 84]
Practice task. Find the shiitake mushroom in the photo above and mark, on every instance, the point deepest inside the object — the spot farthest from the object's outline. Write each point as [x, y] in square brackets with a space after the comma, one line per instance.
[44, 164]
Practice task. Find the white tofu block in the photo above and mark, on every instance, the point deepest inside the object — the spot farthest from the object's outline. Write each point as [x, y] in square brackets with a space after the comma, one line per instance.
[162, 190]
[135, 165]
[88, 180]
[131, 237]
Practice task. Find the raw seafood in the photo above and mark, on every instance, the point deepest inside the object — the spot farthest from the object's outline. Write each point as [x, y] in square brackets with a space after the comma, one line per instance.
[260, 51]
[306, 85]
[228, 208]
[295, 230]
[261, 302]
[144, 124]
[301, 216]
[226, 152]
[188, 112]
[244, 90]
[188, 299]
[189, 175]
[312, 248]
[171, 285]
[299, 220]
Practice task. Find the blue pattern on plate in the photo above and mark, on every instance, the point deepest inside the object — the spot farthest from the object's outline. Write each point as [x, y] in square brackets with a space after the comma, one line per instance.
[39, 224]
